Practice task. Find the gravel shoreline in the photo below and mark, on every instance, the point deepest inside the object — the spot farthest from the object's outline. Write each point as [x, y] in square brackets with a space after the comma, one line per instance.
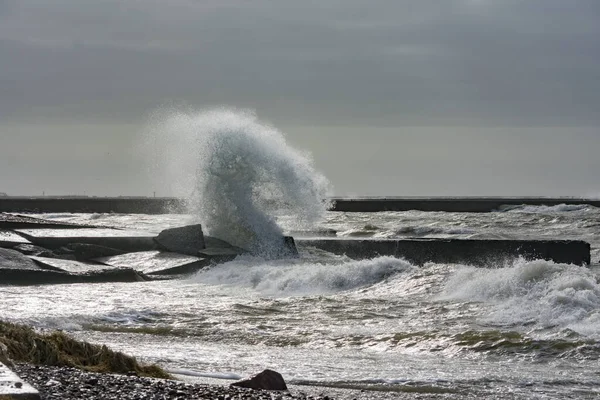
[70, 384]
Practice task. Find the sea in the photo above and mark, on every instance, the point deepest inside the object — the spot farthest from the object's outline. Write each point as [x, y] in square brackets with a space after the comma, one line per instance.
[515, 329]
[510, 329]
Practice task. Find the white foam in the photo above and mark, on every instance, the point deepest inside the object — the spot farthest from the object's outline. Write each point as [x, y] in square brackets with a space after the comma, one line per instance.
[237, 173]
[299, 278]
[545, 209]
[539, 293]
[214, 375]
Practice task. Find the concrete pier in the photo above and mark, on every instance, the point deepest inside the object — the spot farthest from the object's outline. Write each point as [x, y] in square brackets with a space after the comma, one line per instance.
[485, 253]
[449, 204]
[162, 205]
[14, 388]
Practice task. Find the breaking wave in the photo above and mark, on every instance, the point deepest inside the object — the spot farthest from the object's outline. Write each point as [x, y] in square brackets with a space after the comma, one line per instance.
[538, 294]
[237, 173]
[300, 278]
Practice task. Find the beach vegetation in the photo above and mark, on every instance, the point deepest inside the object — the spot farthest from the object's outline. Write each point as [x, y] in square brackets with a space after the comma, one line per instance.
[24, 344]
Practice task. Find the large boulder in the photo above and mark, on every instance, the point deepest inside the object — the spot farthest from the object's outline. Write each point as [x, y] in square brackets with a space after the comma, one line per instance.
[266, 380]
[184, 240]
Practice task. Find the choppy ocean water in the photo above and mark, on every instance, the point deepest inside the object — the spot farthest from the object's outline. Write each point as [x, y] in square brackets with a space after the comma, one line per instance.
[517, 329]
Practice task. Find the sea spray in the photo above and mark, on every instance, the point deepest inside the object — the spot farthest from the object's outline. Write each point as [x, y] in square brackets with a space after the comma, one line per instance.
[236, 173]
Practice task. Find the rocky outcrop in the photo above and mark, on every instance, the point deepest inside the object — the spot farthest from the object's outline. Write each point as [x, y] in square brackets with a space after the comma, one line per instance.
[184, 240]
[266, 380]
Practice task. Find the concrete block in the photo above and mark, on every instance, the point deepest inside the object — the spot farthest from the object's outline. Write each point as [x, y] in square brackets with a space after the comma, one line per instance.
[184, 240]
[14, 388]
[62, 265]
[11, 239]
[12, 221]
[156, 262]
[115, 238]
[466, 251]
[12, 259]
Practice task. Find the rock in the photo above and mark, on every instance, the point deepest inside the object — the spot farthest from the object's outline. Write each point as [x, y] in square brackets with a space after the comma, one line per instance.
[266, 380]
[184, 240]
[12, 259]
[156, 262]
[87, 251]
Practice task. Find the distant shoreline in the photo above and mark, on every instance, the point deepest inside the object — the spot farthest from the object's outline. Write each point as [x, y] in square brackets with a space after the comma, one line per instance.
[165, 205]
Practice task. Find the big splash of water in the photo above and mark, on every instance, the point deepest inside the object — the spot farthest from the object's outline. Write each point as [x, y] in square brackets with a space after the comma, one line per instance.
[237, 173]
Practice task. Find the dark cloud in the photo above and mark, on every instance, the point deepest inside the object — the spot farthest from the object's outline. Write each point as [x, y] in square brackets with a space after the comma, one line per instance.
[321, 70]
[457, 62]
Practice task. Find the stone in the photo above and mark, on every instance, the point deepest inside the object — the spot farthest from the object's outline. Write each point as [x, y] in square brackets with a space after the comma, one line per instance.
[125, 240]
[71, 266]
[12, 259]
[219, 251]
[87, 251]
[14, 388]
[266, 380]
[184, 240]
[156, 262]
[11, 239]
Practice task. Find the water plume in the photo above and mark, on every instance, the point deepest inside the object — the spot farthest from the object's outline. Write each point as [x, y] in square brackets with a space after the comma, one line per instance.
[237, 174]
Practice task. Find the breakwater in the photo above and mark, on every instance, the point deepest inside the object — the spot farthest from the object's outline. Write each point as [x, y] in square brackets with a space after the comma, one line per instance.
[162, 205]
[484, 253]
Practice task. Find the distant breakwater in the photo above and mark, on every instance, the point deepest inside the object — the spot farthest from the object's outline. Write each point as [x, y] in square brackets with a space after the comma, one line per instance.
[162, 205]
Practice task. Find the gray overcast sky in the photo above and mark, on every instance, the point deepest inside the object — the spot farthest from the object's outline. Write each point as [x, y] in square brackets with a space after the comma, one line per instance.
[403, 97]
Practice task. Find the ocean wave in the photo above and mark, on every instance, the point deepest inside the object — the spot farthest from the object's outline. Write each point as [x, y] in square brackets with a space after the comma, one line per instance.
[539, 294]
[299, 278]
[544, 209]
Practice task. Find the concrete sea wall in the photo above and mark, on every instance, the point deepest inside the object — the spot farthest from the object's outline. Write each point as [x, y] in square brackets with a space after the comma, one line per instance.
[160, 205]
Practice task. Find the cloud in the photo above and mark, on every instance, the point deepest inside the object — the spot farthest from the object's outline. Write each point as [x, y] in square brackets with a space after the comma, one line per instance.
[455, 62]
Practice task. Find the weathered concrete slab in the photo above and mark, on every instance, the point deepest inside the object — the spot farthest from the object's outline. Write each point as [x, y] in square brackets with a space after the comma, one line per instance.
[184, 240]
[146, 205]
[86, 251]
[12, 259]
[71, 266]
[156, 262]
[14, 388]
[448, 204]
[13, 221]
[33, 250]
[24, 277]
[11, 239]
[475, 252]
[119, 239]
[83, 204]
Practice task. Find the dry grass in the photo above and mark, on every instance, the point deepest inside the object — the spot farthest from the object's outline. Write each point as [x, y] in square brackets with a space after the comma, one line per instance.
[23, 344]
